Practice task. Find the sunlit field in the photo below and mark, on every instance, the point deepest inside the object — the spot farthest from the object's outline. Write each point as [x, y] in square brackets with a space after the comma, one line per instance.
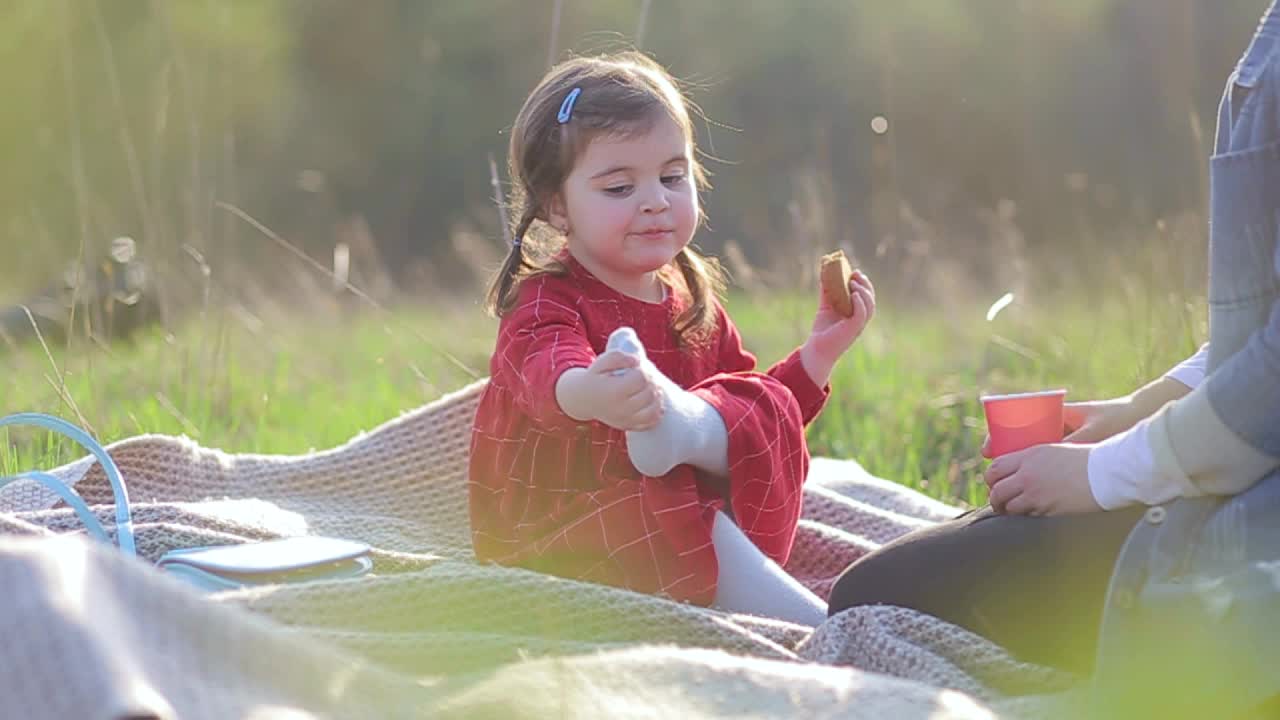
[904, 401]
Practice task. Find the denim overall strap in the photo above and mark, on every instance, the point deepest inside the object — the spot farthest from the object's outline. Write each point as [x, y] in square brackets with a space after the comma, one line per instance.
[1244, 202]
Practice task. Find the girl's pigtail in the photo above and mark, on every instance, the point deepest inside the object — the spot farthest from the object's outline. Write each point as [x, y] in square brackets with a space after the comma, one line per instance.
[704, 279]
[504, 286]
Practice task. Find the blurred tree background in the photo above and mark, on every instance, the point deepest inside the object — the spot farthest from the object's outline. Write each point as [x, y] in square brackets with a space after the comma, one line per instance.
[943, 142]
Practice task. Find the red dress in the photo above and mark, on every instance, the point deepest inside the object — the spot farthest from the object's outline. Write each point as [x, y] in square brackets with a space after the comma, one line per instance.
[552, 494]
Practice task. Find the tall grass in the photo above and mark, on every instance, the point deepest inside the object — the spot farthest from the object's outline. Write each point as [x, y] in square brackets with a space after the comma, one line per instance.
[285, 365]
[904, 400]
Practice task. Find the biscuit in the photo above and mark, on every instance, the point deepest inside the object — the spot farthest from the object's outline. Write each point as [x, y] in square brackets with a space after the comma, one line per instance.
[834, 275]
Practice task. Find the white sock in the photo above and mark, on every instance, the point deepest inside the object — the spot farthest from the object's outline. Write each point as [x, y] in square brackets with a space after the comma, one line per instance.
[751, 583]
[691, 431]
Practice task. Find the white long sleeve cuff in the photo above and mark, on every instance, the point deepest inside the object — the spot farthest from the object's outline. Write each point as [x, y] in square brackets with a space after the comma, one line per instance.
[1123, 471]
[1191, 372]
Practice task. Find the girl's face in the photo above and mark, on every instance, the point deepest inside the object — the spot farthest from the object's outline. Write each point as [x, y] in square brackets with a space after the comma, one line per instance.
[629, 206]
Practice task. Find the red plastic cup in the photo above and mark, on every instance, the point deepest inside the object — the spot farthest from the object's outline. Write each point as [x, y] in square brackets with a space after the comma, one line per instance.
[1021, 420]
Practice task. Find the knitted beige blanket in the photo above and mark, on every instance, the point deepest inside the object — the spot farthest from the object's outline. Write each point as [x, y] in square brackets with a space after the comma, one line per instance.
[90, 633]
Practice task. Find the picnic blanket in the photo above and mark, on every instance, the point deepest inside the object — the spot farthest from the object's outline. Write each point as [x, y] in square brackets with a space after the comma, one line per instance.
[89, 632]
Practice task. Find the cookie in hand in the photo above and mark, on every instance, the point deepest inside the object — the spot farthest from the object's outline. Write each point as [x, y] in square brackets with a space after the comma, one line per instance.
[834, 274]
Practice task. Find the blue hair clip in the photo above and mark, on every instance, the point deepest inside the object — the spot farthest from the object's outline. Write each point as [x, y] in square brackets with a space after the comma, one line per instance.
[566, 107]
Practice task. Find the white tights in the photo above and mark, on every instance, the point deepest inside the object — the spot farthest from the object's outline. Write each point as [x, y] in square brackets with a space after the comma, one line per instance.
[749, 582]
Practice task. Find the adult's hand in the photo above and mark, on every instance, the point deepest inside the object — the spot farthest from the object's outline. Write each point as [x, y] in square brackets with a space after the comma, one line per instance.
[1042, 480]
[1096, 420]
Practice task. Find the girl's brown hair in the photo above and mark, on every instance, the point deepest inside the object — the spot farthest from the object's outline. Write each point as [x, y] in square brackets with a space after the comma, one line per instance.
[621, 95]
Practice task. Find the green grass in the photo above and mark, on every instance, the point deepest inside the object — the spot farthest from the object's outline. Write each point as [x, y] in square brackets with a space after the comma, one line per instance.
[904, 400]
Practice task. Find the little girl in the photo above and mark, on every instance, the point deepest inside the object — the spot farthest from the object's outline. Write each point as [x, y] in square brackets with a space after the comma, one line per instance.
[624, 437]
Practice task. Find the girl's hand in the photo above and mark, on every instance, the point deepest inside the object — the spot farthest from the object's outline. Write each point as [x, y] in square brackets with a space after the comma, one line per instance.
[614, 391]
[1042, 480]
[1092, 421]
[832, 333]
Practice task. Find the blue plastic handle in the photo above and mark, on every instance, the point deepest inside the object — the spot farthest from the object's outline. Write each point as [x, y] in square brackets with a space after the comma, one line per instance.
[124, 521]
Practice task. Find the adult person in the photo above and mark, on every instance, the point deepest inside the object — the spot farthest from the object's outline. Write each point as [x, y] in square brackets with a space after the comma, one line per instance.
[1145, 549]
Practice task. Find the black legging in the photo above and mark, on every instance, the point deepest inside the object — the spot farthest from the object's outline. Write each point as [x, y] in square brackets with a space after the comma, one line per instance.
[1034, 585]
